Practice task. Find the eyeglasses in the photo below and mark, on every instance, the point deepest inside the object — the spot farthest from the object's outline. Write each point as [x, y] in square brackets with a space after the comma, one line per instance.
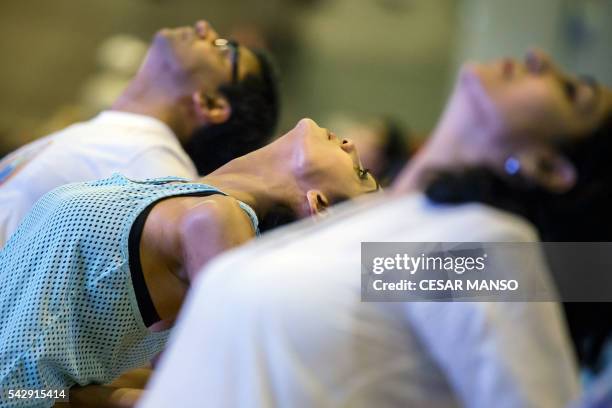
[231, 47]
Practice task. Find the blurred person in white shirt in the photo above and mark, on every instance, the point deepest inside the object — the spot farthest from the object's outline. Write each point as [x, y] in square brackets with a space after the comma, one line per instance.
[280, 322]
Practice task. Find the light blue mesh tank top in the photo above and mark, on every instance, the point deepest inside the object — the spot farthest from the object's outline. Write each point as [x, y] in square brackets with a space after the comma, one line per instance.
[68, 312]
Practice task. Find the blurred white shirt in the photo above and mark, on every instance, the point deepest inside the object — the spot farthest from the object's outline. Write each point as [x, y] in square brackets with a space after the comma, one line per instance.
[280, 322]
[136, 146]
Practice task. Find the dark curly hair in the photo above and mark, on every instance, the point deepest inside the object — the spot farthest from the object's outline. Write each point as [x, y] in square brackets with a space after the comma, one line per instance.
[583, 214]
[255, 111]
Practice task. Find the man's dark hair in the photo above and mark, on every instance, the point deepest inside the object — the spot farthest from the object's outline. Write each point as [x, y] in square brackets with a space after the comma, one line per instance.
[255, 109]
[583, 214]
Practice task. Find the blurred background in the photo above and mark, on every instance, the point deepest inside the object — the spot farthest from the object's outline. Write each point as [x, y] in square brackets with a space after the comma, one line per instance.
[341, 61]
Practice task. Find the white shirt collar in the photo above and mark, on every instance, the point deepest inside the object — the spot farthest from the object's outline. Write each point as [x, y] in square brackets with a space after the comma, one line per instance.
[134, 120]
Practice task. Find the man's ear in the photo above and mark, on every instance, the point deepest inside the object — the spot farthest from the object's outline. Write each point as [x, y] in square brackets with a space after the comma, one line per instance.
[213, 109]
[317, 202]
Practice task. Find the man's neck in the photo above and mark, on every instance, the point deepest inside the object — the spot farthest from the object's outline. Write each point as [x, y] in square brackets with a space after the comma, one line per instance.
[143, 99]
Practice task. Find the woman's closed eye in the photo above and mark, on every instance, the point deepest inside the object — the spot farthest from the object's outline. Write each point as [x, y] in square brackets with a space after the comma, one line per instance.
[569, 88]
[362, 173]
[583, 93]
[365, 175]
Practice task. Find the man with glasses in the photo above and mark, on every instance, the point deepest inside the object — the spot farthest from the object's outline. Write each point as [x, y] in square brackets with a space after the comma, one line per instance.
[197, 102]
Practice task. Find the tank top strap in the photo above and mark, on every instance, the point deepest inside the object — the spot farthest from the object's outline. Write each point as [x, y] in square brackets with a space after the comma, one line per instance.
[245, 207]
[163, 180]
[193, 186]
[251, 213]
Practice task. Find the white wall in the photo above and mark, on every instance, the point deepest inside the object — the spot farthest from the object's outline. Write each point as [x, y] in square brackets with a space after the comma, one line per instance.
[369, 56]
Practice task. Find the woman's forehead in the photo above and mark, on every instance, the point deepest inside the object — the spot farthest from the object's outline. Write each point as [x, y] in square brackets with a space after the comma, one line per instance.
[606, 99]
[602, 106]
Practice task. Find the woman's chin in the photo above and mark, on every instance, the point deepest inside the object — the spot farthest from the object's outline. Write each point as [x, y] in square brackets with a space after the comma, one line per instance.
[469, 71]
[472, 74]
[473, 102]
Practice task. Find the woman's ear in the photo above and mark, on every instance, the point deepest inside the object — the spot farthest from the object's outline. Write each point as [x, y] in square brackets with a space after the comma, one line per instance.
[209, 109]
[545, 166]
[317, 202]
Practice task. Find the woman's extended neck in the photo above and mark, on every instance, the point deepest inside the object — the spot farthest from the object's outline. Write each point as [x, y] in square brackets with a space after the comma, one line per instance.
[259, 179]
[463, 131]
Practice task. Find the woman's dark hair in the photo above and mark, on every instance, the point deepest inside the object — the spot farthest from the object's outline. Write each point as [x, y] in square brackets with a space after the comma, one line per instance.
[584, 214]
[277, 217]
[396, 152]
[255, 111]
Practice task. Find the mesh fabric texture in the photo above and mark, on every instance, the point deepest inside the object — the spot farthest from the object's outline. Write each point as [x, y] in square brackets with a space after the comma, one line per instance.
[68, 312]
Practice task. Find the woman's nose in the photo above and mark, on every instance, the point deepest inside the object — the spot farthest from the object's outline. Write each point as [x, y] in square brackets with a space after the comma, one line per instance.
[347, 145]
[537, 61]
[307, 123]
[205, 31]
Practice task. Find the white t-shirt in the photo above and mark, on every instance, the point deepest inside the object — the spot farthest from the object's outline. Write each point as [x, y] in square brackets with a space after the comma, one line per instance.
[136, 146]
[280, 322]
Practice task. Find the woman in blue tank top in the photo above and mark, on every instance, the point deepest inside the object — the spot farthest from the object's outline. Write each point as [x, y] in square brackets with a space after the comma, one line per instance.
[96, 273]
